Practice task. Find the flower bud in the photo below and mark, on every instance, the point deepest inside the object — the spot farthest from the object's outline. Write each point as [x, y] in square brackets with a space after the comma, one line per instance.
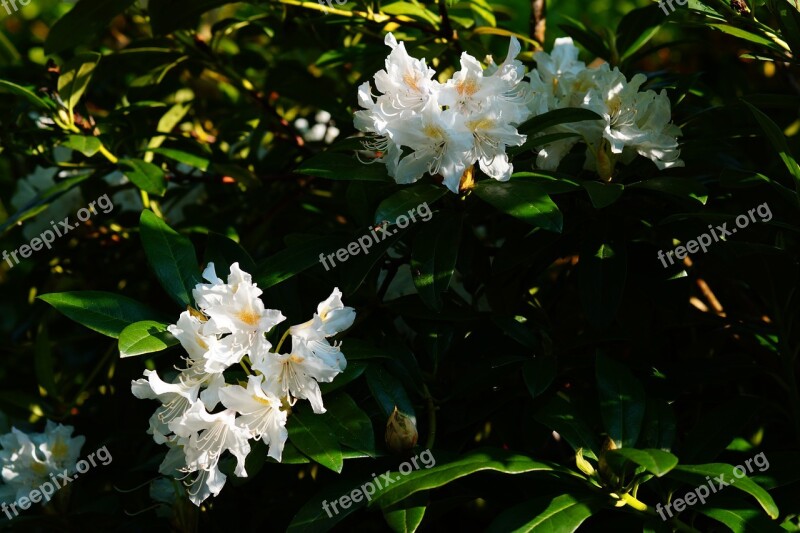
[582, 464]
[603, 467]
[401, 433]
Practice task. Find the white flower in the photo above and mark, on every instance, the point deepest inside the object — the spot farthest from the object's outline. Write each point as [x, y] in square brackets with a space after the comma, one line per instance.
[490, 136]
[440, 143]
[176, 398]
[634, 122]
[331, 318]
[260, 413]
[236, 313]
[59, 448]
[210, 435]
[407, 83]
[298, 373]
[27, 461]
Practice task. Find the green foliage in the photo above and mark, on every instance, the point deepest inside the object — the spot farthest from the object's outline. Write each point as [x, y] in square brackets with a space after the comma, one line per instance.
[561, 376]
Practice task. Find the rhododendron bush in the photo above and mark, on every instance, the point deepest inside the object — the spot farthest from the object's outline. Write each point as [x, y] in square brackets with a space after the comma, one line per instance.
[398, 265]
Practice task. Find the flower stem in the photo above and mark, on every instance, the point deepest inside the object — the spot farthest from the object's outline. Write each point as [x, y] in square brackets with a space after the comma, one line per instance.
[280, 342]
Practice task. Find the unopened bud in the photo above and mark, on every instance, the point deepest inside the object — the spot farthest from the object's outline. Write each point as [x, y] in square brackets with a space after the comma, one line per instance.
[603, 467]
[401, 433]
[582, 464]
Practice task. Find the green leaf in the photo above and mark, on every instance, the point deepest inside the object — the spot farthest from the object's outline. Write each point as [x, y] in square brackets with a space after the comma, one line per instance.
[560, 415]
[172, 257]
[747, 36]
[444, 473]
[556, 117]
[76, 75]
[147, 176]
[622, 401]
[350, 423]
[696, 474]
[561, 514]
[181, 156]
[602, 271]
[603, 194]
[407, 200]
[29, 95]
[433, 259]
[389, 392]
[636, 28]
[407, 515]
[224, 252]
[166, 16]
[338, 166]
[740, 517]
[657, 462]
[681, 187]
[318, 515]
[659, 425]
[83, 22]
[778, 140]
[103, 312]
[295, 259]
[314, 437]
[539, 373]
[88, 146]
[584, 36]
[523, 200]
[147, 336]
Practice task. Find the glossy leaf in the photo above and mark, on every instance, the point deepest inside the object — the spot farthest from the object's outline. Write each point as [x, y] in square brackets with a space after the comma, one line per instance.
[172, 257]
[104, 312]
[147, 336]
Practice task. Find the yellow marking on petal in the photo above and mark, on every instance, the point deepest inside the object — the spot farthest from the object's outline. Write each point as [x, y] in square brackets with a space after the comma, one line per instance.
[261, 400]
[433, 131]
[249, 317]
[468, 87]
[411, 80]
[60, 449]
[296, 359]
[481, 124]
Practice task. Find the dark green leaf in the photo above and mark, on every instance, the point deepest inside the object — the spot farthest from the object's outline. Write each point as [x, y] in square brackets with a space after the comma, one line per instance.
[172, 257]
[562, 514]
[314, 437]
[338, 166]
[146, 176]
[103, 312]
[523, 200]
[622, 401]
[84, 22]
[696, 474]
[433, 259]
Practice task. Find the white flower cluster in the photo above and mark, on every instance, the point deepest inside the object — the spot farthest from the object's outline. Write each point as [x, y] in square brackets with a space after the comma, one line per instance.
[418, 125]
[633, 122]
[230, 328]
[29, 460]
[447, 127]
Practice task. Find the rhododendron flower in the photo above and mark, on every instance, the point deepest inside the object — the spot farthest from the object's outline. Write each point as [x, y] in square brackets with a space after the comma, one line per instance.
[229, 326]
